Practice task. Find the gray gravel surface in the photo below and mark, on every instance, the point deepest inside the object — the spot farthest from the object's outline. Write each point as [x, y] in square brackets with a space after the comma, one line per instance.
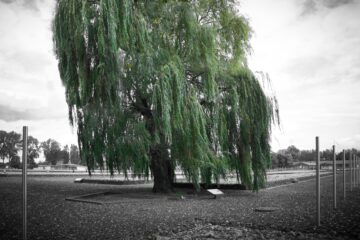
[171, 217]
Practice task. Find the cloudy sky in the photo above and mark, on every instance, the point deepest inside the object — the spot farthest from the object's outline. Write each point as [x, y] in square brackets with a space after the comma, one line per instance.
[309, 48]
[31, 92]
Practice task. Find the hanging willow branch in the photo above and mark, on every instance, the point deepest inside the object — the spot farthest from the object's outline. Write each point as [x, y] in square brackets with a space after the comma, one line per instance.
[152, 83]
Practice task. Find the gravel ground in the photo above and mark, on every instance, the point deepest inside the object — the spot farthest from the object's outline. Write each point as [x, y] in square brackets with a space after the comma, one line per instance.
[167, 217]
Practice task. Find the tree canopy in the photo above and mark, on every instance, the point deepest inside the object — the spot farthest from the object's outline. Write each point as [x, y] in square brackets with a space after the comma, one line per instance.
[65, 154]
[9, 144]
[159, 84]
[3, 152]
[33, 150]
[74, 154]
[52, 151]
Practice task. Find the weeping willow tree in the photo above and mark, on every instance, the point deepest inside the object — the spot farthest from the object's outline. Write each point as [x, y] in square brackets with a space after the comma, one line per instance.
[152, 85]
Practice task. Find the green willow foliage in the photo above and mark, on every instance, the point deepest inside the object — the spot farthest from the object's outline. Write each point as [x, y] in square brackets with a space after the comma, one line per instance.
[166, 74]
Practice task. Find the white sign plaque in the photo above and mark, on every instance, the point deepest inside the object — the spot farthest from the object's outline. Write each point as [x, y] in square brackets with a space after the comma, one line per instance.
[215, 191]
[78, 180]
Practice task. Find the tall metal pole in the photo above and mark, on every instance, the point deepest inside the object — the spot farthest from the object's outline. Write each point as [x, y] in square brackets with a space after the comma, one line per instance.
[334, 175]
[354, 160]
[317, 182]
[351, 171]
[356, 170]
[344, 181]
[24, 179]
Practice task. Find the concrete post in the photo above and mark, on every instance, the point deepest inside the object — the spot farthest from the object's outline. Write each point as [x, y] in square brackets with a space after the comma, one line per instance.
[317, 182]
[24, 179]
[334, 176]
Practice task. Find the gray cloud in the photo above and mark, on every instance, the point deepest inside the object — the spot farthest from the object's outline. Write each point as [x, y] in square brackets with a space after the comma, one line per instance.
[7, 1]
[335, 3]
[311, 6]
[308, 67]
[31, 4]
[9, 114]
[319, 71]
[30, 61]
[28, 4]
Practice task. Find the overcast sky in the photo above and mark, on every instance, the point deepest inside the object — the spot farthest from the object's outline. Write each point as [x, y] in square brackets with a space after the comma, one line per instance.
[309, 48]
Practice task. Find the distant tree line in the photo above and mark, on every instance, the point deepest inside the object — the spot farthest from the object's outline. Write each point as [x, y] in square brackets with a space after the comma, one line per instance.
[53, 152]
[287, 157]
[11, 144]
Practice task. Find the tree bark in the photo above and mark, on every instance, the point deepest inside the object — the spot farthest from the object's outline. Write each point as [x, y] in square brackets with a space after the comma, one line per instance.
[160, 163]
[162, 169]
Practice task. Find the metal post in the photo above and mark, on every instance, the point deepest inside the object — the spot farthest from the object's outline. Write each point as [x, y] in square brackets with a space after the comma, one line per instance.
[356, 171]
[358, 168]
[344, 181]
[24, 179]
[351, 171]
[334, 176]
[353, 161]
[317, 182]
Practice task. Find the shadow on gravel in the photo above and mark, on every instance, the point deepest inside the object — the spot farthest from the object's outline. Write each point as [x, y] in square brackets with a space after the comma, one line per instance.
[179, 193]
[111, 197]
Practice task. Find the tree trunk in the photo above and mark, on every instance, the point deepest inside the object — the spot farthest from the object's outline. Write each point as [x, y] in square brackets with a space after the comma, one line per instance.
[162, 169]
[160, 163]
